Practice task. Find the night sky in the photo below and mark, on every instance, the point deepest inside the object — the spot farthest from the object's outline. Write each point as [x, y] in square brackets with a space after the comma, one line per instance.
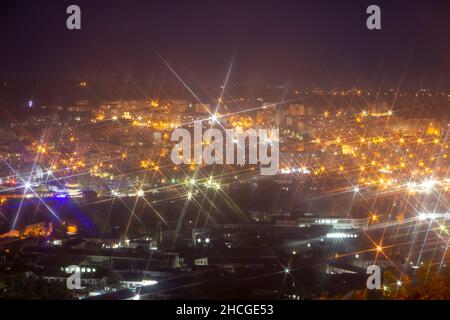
[310, 43]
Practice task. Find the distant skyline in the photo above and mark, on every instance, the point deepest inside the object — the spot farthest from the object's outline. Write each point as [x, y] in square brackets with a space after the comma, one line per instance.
[300, 43]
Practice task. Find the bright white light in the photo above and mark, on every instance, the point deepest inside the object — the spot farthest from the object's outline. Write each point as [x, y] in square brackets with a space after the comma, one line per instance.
[356, 189]
[189, 195]
[213, 118]
[141, 193]
[288, 170]
[399, 283]
[287, 270]
[137, 297]
[427, 185]
[427, 215]
[411, 186]
[340, 235]
[27, 185]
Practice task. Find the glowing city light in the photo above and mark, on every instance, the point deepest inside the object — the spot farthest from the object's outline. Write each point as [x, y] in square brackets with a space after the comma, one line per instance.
[428, 185]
